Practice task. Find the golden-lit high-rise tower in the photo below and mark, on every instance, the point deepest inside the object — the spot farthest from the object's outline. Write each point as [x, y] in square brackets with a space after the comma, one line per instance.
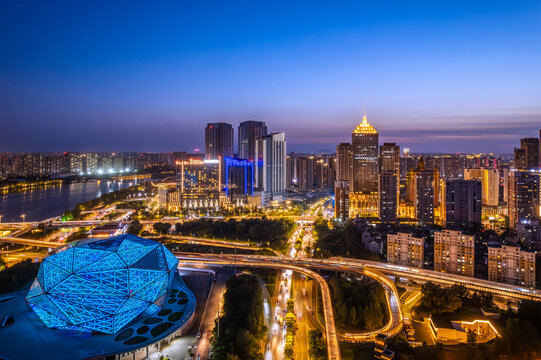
[364, 196]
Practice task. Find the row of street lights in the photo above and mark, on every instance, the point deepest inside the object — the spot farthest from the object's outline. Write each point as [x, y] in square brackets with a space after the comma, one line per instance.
[23, 216]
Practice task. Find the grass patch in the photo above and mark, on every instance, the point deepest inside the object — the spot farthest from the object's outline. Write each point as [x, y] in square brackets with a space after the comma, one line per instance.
[361, 351]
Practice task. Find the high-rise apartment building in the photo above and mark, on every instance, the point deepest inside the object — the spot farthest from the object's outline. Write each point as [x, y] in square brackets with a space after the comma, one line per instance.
[454, 252]
[249, 132]
[490, 182]
[511, 265]
[405, 249]
[218, 140]
[271, 165]
[341, 200]
[463, 203]
[364, 196]
[524, 197]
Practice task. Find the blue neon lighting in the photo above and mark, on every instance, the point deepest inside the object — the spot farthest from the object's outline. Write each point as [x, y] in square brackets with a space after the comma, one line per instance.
[102, 285]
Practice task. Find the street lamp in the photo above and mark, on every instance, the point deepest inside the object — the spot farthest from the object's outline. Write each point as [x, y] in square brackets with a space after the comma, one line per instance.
[24, 217]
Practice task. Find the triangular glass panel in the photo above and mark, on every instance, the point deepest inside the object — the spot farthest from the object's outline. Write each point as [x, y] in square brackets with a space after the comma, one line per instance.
[131, 256]
[139, 278]
[114, 279]
[130, 242]
[78, 313]
[110, 262]
[171, 259]
[83, 257]
[63, 259]
[35, 289]
[53, 275]
[154, 260]
[152, 291]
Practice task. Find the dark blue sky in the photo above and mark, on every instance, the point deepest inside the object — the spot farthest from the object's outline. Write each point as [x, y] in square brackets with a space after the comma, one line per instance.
[454, 76]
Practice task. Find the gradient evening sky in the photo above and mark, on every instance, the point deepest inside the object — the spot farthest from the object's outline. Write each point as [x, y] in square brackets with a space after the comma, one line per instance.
[434, 76]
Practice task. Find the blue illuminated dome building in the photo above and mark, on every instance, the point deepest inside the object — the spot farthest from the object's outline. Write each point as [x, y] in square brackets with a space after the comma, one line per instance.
[102, 285]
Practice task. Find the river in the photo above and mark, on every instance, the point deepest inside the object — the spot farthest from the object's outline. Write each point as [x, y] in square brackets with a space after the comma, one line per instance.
[45, 203]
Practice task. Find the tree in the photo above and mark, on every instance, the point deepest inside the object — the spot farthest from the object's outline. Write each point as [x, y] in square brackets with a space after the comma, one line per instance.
[135, 228]
[471, 336]
[291, 323]
[317, 348]
[290, 305]
[161, 228]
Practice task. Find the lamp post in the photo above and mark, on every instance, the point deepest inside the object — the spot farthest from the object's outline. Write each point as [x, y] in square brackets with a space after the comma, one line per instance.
[24, 217]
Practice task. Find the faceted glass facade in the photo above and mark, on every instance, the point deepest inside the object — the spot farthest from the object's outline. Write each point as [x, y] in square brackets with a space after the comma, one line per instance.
[102, 285]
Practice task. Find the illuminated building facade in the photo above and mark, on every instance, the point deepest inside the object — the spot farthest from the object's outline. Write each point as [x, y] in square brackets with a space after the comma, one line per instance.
[239, 177]
[405, 249]
[524, 187]
[527, 156]
[454, 252]
[102, 285]
[490, 182]
[271, 166]
[364, 199]
[463, 203]
[511, 265]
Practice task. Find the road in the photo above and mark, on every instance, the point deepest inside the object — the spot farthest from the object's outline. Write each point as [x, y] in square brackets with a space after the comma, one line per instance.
[333, 348]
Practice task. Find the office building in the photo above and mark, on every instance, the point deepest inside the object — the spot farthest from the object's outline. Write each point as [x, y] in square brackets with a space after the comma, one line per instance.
[239, 177]
[249, 132]
[531, 146]
[454, 252]
[364, 200]
[524, 194]
[218, 140]
[341, 200]
[405, 249]
[463, 203]
[271, 166]
[511, 265]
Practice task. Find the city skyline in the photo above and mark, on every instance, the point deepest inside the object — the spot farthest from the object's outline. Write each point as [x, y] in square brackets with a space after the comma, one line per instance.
[132, 78]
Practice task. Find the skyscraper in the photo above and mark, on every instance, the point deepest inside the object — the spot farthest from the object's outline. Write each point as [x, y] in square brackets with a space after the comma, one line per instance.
[218, 140]
[364, 196]
[523, 196]
[249, 132]
[527, 156]
[364, 141]
[532, 152]
[389, 189]
[389, 158]
[341, 200]
[271, 165]
[463, 203]
[344, 158]
[388, 196]
[490, 180]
